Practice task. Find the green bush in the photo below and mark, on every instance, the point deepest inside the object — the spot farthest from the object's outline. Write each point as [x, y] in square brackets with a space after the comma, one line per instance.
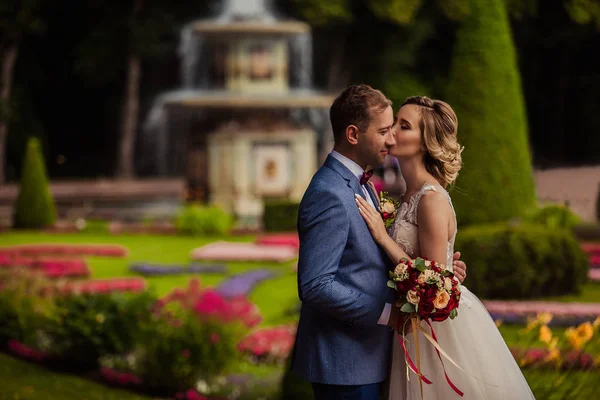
[34, 207]
[179, 349]
[87, 327]
[196, 220]
[280, 216]
[23, 307]
[553, 216]
[521, 261]
[496, 183]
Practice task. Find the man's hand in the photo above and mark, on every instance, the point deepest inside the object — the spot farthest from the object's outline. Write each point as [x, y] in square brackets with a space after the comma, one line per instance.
[459, 267]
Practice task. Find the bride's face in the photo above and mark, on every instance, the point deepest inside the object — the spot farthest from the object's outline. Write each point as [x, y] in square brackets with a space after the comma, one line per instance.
[409, 139]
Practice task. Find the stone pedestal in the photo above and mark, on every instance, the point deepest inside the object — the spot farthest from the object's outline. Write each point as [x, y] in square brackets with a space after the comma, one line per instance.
[246, 167]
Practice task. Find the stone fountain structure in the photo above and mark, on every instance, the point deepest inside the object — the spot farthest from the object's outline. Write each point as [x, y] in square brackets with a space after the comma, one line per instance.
[246, 125]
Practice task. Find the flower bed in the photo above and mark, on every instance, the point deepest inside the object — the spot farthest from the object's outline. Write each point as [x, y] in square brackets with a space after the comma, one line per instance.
[233, 251]
[28, 353]
[159, 269]
[50, 267]
[97, 286]
[243, 283]
[279, 239]
[104, 250]
[269, 344]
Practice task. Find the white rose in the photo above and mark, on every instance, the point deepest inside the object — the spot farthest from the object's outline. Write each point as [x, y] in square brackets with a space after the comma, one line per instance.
[427, 263]
[447, 283]
[400, 269]
[429, 274]
[441, 299]
[388, 208]
[421, 279]
[413, 297]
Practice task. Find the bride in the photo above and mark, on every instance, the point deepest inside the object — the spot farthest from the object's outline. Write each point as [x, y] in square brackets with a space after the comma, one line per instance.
[425, 226]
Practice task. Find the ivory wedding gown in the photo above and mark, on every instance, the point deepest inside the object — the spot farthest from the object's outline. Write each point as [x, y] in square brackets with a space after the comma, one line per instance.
[472, 339]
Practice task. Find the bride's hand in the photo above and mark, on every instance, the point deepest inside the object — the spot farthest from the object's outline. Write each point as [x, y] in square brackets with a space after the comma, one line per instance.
[372, 218]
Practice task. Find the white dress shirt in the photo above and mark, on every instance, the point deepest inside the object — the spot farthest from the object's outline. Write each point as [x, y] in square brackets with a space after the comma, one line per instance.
[358, 171]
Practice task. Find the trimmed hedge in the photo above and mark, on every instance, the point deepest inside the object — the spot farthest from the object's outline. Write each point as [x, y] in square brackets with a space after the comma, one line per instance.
[496, 183]
[34, 207]
[553, 216]
[197, 220]
[521, 261]
[280, 216]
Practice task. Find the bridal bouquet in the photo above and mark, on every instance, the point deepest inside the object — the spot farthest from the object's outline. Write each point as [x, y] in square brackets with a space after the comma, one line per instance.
[427, 291]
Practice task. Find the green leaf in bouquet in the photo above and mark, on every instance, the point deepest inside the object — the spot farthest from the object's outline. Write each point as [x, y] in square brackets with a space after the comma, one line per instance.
[420, 264]
[391, 284]
[408, 308]
[453, 313]
[403, 259]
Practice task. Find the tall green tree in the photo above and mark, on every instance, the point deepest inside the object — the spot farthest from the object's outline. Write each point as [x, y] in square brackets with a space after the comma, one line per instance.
[484, 89]
[18, 18]
[34, 207]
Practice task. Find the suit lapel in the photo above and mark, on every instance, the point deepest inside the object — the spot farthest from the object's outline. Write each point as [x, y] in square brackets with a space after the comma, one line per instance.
[345, 173]
[371, 190]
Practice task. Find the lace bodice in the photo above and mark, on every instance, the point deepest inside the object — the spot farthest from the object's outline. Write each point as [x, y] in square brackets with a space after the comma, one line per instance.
[405, 230]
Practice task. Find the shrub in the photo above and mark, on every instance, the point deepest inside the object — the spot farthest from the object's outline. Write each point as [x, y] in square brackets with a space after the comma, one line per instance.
[553, 216]
[496, 183]
[521, 261]
[280, 216]
[192, 336]
[196, 220]
[34, 207]
[87, 326]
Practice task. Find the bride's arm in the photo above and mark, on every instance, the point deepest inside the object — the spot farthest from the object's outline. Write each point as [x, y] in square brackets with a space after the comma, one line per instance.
[378, 231]
[433, 218]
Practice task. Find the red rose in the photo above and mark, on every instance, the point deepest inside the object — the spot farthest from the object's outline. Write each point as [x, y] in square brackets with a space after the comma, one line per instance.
[431, 293]
[453, 303]
[440, 315]
[404, 286]
[386, 215]
[425, 308]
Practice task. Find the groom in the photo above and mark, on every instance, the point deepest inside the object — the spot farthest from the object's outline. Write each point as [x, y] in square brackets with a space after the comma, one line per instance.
[344, 344]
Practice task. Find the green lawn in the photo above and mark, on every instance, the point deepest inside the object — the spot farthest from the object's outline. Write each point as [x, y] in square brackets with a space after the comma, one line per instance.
[23, 381]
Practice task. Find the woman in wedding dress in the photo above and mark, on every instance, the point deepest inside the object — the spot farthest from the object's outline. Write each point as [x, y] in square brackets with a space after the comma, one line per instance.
[425, 226]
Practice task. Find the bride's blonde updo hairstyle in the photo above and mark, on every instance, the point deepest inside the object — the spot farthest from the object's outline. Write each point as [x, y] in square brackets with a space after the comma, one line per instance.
[439, 127]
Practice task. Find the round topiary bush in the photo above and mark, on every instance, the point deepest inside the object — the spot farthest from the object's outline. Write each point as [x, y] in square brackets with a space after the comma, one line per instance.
[34, 207]
[553, 216]
[521, 261]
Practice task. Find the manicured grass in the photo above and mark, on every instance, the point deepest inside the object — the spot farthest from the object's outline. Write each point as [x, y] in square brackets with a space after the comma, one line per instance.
[590, 293]
[24, 381]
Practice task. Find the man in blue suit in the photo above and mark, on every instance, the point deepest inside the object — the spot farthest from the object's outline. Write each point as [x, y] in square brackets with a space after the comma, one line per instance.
[344, 341]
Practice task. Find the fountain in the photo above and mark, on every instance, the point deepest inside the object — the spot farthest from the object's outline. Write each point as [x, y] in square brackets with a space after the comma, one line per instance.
[246, 124]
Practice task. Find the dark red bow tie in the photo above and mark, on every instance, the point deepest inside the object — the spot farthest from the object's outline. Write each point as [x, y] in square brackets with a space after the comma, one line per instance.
[366, 176]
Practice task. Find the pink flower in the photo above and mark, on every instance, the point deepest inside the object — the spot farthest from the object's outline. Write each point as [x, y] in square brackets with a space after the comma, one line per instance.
[214, 338]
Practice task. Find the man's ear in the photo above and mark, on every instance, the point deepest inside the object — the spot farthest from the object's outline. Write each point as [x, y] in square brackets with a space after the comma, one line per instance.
[352, 134]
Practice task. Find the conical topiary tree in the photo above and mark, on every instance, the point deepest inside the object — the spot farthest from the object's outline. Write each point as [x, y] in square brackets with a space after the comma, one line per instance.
[34, 207]
[484, 89]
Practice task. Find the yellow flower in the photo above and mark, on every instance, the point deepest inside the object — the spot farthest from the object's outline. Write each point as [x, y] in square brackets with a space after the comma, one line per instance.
[545, 334]
[100, 318]
[544, 318]
[531, 324]
[553, 344]
[498, 323]
[585, 331]
[573, 338]
[553, 355]
[596, 323]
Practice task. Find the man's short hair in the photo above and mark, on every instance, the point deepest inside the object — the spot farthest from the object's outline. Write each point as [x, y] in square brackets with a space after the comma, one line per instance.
[353, 107]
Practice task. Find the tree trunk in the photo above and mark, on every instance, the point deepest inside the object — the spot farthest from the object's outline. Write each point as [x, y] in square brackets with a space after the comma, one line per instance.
[131, 106]
[8, 63]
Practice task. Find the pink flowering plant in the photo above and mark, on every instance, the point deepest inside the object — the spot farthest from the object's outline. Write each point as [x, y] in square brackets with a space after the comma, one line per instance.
[192, 336]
